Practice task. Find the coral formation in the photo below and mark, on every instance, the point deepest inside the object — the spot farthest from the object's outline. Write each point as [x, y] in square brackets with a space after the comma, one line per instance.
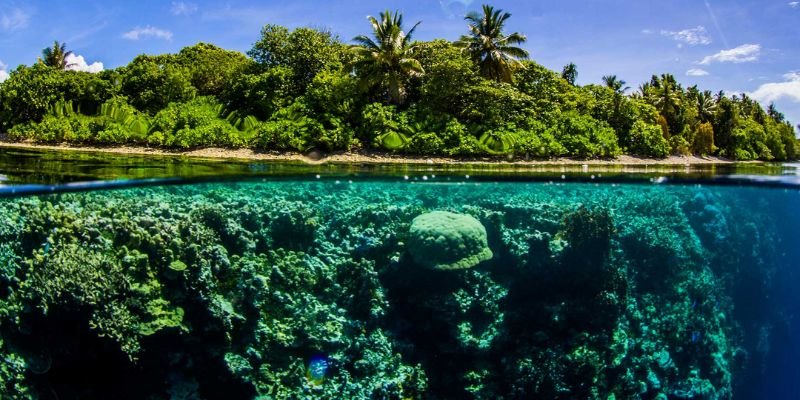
[235, 290]
[448, 241]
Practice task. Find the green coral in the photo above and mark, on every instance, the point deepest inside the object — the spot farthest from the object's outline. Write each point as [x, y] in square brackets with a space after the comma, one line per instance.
[448, 241]
[610, 292]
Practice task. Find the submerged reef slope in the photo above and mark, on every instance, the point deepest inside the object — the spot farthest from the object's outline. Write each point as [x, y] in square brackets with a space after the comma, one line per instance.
[311, 290]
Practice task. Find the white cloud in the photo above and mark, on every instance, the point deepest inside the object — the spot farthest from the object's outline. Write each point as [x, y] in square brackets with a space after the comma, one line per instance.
[146, 32]
[3, 72]
[647, 31]
[183, 8]
[692, 37]
[14, 20]
[81, 65]
[788, 89]
[794, 4]
[3, 76]
[742, 54]
[697, 72]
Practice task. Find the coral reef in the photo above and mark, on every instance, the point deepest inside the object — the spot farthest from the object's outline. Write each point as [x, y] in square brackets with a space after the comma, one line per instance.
[448, 241]
[469, 290]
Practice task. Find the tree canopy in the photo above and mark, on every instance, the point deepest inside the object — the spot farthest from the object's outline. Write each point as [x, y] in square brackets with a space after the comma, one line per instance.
[301, 89]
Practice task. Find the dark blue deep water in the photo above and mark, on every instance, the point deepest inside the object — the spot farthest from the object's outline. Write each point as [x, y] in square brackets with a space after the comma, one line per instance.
[418, 287]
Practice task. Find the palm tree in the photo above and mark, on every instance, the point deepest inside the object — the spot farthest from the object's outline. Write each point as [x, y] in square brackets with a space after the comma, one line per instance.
[495, 52]
[56, 56]
[776, 115]
[667, 95]
[615, 84]
[644, 92]
[706, 106]
[719, 96]
[570, 73]
[387, 58]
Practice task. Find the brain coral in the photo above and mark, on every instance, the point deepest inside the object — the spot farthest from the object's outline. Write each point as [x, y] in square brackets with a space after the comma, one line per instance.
[448, 241]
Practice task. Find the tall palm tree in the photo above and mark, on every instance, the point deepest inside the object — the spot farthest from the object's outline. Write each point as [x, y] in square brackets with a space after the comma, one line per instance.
[719, 96]
[56, 56]
[495, 52]
[615, 84]
[644, 92]
[667, 95]
[570, 73]
[387, 58]
[706, 106]
[776, 115]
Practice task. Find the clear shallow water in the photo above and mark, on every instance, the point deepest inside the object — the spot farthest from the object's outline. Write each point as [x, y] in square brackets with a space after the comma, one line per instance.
[311, 288]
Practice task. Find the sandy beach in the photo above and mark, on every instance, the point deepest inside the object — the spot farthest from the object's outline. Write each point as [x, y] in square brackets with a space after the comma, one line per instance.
[367, 157]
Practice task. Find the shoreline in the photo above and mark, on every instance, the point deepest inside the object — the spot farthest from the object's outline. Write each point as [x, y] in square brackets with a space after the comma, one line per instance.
[373, 158]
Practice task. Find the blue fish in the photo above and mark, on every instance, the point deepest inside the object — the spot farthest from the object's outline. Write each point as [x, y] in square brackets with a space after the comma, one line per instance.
[317, 369]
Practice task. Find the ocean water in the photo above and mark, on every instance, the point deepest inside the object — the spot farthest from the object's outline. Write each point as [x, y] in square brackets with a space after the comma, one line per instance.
[420, 287]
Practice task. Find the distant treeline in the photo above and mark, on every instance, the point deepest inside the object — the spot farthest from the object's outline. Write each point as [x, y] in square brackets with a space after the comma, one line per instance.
[304, 89]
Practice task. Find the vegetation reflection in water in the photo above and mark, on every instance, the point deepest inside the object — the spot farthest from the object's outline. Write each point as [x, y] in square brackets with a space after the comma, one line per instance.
[30, 166]
[308, 289]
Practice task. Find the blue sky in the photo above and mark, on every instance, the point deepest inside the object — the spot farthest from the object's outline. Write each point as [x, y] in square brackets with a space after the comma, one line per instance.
[748, 46]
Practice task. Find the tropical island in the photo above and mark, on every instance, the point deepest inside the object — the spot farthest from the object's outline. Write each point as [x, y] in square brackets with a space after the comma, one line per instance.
[305, 90]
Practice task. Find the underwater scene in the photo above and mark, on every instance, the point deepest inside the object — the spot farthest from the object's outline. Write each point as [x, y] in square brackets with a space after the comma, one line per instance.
[401, 288]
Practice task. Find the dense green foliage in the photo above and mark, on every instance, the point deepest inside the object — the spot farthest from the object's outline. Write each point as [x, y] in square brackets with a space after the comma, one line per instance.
[304, 89]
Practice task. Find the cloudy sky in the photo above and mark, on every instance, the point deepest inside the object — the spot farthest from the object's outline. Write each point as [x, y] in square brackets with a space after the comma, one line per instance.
[740, 46]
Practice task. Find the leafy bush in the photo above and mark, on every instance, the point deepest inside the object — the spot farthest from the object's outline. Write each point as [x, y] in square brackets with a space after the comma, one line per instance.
[537, 141]
[585, 137]
[292, 129]
[648, 140]
[499, 141]
[384, 127]
[426, 143]
[54, 129]
[194, 124]
[704, 140]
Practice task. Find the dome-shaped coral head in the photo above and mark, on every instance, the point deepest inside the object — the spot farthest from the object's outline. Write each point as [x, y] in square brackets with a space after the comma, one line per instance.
[317, 369]
[448, 241]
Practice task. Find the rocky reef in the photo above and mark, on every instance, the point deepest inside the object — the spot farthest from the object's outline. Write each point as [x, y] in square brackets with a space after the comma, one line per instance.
[330, 290]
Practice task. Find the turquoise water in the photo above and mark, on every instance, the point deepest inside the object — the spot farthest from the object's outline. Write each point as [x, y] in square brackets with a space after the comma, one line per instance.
[333, 288]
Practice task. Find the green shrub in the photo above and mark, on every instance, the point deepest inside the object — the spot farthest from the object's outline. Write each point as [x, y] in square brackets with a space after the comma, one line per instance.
[648, 140]
[194, 124]
[384, 127]
[53, 129]
[426, 143]
[680, 146]
[499, 141]
[585, 137]
[704, 140]
[120, 123]
[292, 129]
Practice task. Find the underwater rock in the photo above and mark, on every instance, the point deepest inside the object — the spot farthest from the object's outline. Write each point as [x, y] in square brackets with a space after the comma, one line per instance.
[448, 241]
